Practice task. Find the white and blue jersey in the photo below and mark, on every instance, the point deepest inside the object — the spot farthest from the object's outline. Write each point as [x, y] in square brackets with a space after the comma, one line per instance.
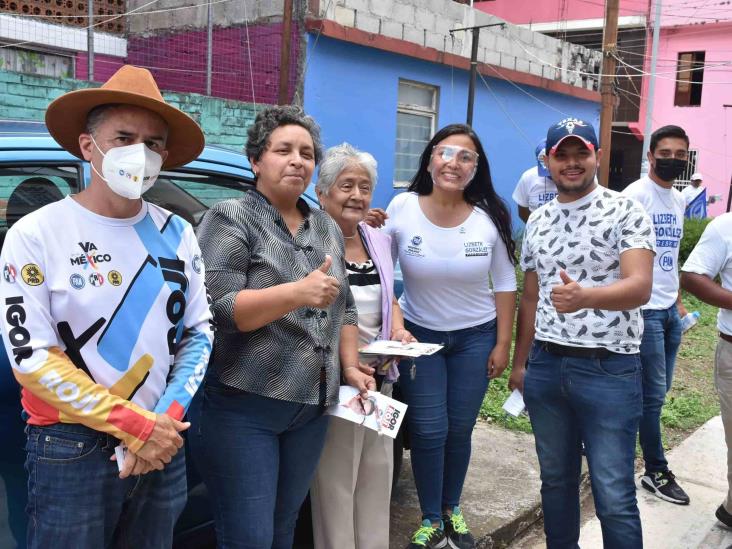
[106, 321]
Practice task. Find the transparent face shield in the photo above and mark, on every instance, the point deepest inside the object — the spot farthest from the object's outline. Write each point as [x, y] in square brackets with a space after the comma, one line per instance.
[466, 159]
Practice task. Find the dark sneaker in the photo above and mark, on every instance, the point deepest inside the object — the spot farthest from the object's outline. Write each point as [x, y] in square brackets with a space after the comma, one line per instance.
[723, 516]
[664, 486]
[428, 537]
[458, 535]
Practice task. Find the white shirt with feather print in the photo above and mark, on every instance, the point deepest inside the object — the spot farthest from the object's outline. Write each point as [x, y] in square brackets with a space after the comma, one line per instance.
[586, 238]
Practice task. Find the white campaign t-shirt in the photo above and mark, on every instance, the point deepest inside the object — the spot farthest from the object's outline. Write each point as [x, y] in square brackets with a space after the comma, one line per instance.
[666, 209]
[712, 256]
[448, 271]
[690, 193]
[533, 190]
[585, 238]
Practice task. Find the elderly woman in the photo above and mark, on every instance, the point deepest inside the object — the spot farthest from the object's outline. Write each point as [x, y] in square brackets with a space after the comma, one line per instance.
[286, 334]
[352, 486]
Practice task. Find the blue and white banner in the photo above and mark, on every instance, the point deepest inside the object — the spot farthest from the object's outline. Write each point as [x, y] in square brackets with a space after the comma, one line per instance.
[697, 208]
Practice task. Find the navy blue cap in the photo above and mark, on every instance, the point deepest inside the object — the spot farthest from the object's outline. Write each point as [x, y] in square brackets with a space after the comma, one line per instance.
[571, 127]
[540, 152]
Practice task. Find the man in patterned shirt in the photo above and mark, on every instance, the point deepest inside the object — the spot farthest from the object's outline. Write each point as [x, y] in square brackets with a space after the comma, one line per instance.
[588, 258]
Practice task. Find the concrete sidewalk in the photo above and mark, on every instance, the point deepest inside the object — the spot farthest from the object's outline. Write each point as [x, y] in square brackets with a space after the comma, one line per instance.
[700, 466]
[500, 496]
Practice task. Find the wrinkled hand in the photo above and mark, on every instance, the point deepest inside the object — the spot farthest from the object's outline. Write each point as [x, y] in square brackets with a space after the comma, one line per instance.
[403, 335]
[356, 378]
[567, 297]
[516, 379]
[497, 361]
[134, 465]
[319, 289]
[376, 217]
[164, 441]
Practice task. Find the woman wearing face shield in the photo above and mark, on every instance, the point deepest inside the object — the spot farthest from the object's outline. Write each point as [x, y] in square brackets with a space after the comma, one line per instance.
[352, 486]
[451, 233]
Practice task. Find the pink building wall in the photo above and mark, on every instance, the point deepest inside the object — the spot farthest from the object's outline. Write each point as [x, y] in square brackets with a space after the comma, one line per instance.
[709, 125]
[545, 11]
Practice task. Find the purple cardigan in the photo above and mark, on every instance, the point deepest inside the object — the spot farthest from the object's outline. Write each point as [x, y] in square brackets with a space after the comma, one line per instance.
[379, 248]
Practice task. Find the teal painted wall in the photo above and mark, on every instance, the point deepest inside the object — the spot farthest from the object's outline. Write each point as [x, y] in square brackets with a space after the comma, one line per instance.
[224, 122]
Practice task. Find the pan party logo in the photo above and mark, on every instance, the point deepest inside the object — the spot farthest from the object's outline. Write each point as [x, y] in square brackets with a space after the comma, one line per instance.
[32, 275]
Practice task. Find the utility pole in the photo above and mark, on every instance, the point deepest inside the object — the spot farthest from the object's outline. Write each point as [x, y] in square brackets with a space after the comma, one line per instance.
[90, 41]
[607, 82]
[285, 51]
[648, 128]
[474, 64]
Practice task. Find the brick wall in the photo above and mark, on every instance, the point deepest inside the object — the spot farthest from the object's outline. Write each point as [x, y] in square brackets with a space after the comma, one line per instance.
[224, 122]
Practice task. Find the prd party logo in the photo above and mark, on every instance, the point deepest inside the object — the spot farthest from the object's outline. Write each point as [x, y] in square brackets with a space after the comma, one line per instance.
[31, 274]
[114, 277]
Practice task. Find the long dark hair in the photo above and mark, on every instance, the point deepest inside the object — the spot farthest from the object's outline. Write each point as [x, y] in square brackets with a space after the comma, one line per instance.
[479, 192]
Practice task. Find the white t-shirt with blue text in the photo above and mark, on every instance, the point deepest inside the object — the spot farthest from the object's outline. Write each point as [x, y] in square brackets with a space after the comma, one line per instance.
[533, 190]
[666, 208]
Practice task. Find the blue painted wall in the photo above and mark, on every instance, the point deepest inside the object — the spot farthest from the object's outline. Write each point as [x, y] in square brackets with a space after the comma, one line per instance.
[352, 92]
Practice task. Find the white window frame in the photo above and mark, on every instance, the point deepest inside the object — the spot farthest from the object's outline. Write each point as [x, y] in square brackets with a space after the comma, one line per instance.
[684, 180]
[419, 110]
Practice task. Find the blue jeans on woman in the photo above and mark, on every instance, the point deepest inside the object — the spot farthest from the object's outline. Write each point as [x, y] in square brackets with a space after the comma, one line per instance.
[661, 340]
[444, 399]
[257, 456]
[76, 498]
[598, 401]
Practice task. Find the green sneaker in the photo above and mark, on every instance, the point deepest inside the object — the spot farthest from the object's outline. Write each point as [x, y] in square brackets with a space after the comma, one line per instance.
[428, 537]
[458, 535]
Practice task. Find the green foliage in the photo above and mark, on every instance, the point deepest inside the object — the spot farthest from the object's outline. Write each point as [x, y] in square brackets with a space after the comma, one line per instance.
[693, 229]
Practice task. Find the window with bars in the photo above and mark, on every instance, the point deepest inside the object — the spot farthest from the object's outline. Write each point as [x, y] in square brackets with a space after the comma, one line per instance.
[685, 178]
[416, 123]
[689, 79]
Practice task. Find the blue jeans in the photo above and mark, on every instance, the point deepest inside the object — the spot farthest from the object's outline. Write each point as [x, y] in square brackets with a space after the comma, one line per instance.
[597, 401]
[444, 399]
[661, 340]
[76, 498]
[257, 456]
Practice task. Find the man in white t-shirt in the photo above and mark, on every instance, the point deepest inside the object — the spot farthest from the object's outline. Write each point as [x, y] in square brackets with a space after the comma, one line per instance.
[692, 190]
[669, 150]
[712, 257]
[587, 257]
[535, 187]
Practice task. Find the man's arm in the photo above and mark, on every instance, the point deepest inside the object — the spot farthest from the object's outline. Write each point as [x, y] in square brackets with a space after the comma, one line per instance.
[524, 329]
[706, 289]
[524, 213]
[631, 291]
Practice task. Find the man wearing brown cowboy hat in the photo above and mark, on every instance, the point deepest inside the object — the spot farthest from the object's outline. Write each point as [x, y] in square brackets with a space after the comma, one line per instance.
[107, 325]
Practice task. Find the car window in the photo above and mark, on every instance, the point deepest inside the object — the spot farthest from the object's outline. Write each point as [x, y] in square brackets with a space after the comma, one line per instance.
[190, 194]
[24, 189]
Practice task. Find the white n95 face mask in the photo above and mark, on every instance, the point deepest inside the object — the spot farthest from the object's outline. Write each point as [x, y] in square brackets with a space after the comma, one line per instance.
[131, 170]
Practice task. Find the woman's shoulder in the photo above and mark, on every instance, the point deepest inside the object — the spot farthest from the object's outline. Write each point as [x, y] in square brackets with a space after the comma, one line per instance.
[375, 235]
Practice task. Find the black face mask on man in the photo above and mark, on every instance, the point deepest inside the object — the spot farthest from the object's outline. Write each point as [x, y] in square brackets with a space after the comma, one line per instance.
[669, 169]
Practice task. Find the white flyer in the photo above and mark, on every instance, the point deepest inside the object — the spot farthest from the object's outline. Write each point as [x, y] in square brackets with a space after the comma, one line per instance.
[514, 404]
[378, 412]
[397, 348]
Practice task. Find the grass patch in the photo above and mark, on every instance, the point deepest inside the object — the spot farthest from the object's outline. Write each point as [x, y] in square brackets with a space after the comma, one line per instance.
[690, 403]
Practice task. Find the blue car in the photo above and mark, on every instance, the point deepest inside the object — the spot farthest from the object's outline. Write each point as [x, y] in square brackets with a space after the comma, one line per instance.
[35, 171]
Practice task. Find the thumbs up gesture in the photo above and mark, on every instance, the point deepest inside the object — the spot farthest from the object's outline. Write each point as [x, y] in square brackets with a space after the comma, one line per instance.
[319, 289]
[567, 297]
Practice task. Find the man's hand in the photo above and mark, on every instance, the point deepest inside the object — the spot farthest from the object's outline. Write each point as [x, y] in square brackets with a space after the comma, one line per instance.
[516, 379]
[681, 309]
[319, 289]
[376, 217]
[164, 441]
[356, 378]
[498, 361]
[567, 297]
[135, 465]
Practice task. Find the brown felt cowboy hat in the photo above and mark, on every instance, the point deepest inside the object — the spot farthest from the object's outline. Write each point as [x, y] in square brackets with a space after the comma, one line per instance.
[66, 115]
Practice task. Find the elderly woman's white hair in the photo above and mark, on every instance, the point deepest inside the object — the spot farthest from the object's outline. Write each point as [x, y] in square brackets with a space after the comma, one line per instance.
[339, 158]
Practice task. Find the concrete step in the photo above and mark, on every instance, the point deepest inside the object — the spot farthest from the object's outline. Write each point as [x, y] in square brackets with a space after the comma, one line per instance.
[501, 493]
